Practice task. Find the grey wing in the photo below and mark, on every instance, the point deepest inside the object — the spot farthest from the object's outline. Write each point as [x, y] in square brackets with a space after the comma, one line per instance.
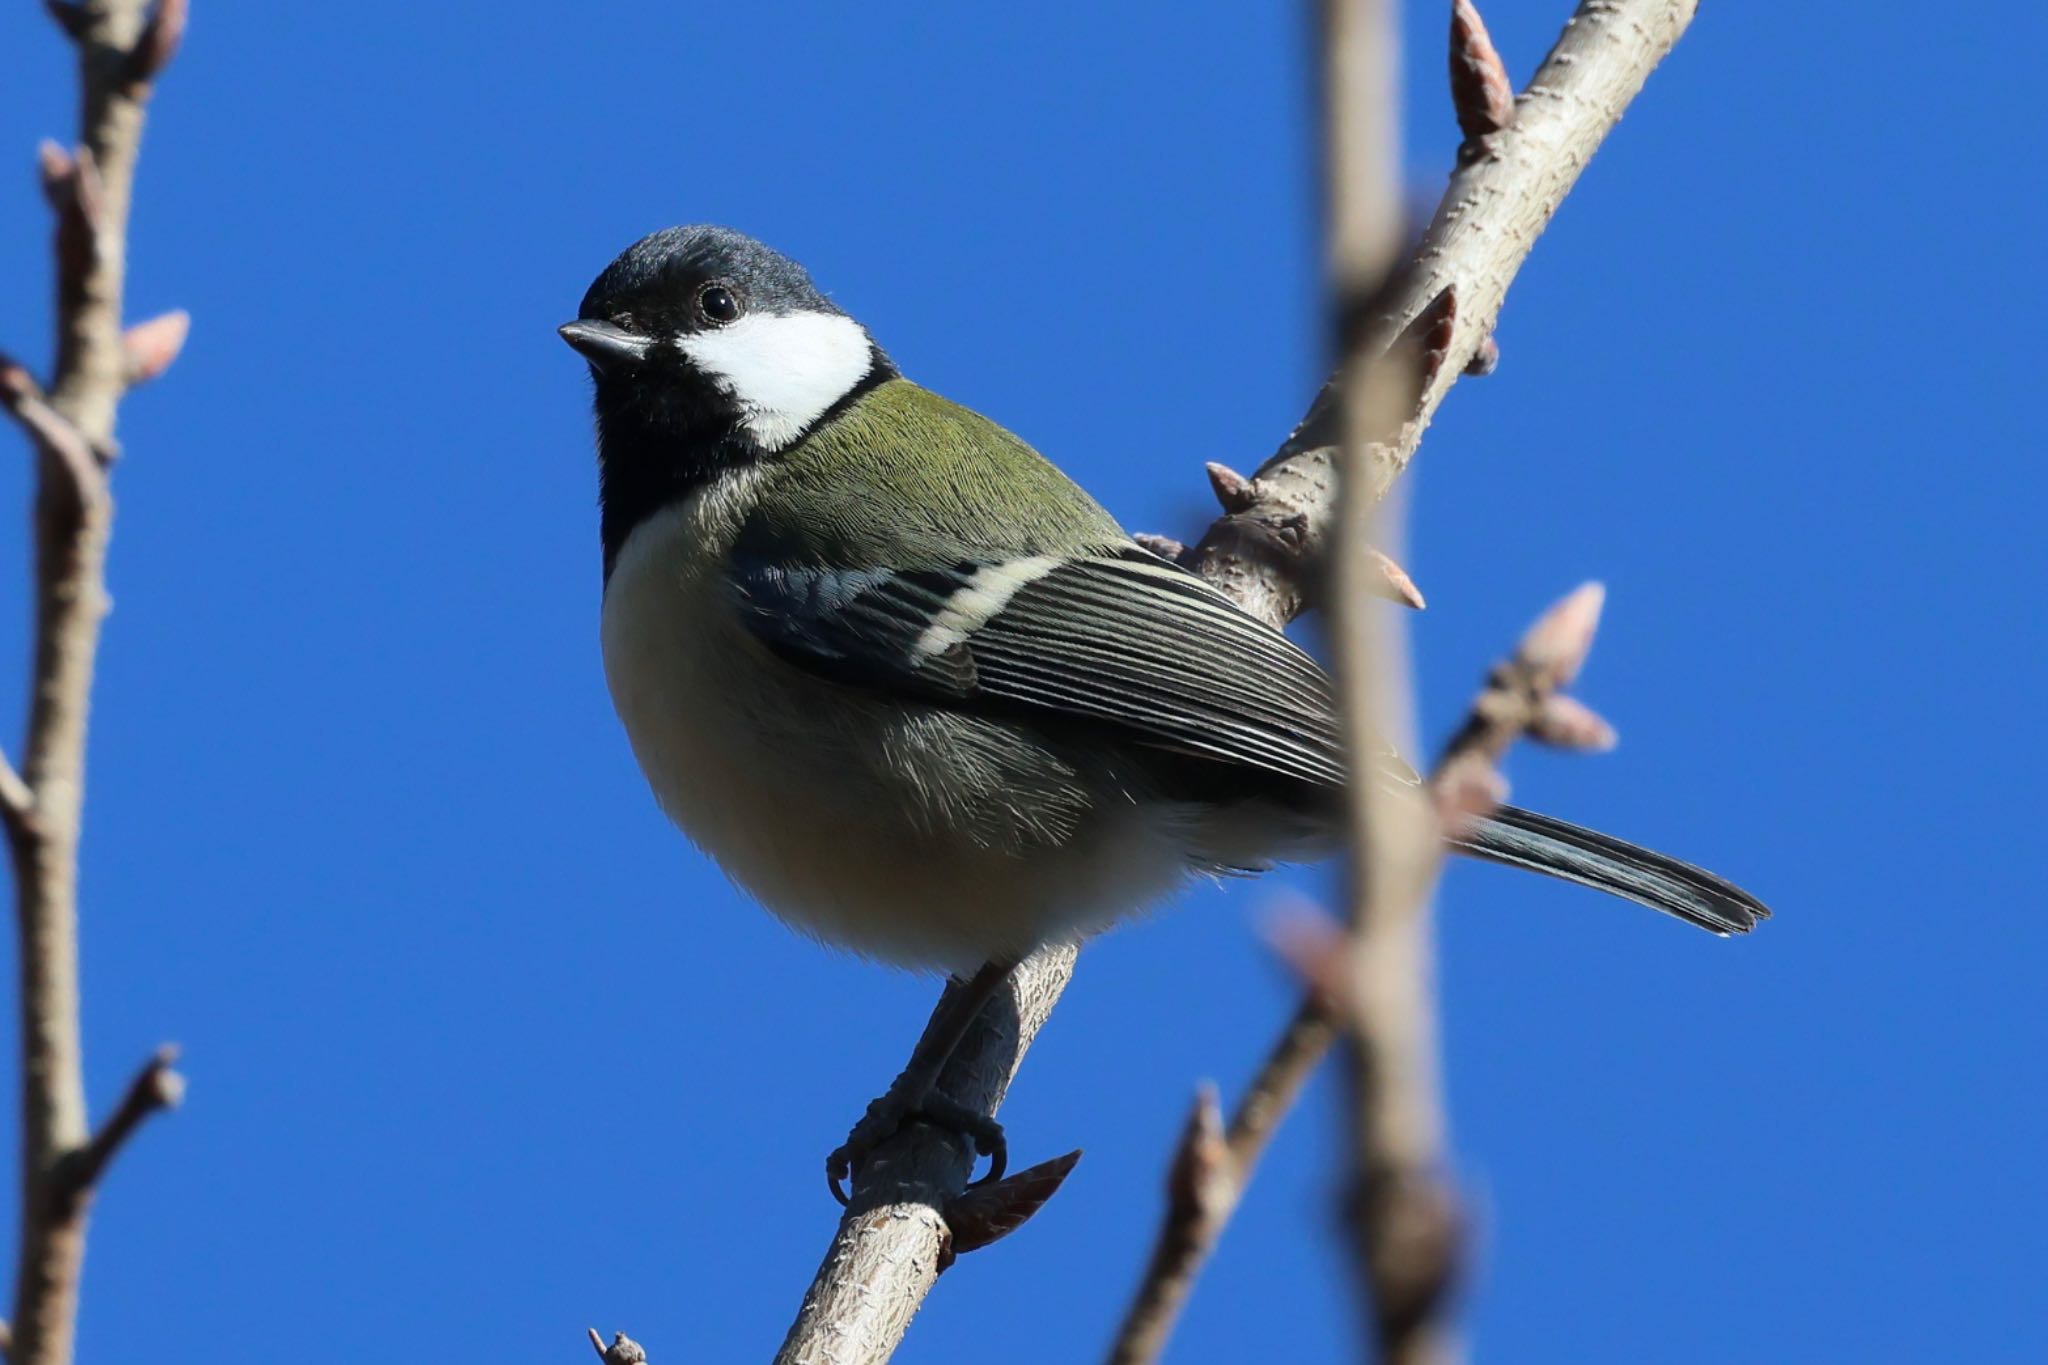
[1120, 639]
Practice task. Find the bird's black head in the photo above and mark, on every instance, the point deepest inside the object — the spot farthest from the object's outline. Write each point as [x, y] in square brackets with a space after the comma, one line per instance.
[709, 351]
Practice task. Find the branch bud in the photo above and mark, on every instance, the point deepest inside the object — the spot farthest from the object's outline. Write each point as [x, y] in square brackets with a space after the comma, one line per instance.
[149, 347]
[988, 1213]
[1556, 646]
[1166, 547]
[1467, 787]
[158, 44]
[1480, 90]
[71, 18]
[1200, 1177]
[1394, 584]
[1485, 359]
[1234, 492]
[1434, 329]
[1568, 723]
[623, 1350]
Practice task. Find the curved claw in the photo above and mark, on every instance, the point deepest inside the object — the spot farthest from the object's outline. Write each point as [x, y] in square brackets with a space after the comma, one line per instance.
[998, 1154]
[888, 1114]
[876, 1126]
[979, 1129]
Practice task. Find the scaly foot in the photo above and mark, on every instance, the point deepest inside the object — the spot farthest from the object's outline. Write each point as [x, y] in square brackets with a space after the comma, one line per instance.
[887, 1115]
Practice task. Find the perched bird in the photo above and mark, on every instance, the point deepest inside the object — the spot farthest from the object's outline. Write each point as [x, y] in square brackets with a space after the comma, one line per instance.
[913, 688]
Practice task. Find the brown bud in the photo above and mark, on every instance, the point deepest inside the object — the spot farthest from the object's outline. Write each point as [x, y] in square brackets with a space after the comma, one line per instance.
[988, 1213]
[1569, 723]
[1480, 90]
[1556, 646]
[1485, 360]
[1468, 787]
[1166, 547]
[1433, 330]
[55, 166]
[1233, 490]
[158, 44]
[71, 182]
[1200, 1176]
[1314, 945]
[1394, 584]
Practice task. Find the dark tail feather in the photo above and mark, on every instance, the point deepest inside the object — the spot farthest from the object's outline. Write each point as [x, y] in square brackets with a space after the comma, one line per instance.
[1557, 848]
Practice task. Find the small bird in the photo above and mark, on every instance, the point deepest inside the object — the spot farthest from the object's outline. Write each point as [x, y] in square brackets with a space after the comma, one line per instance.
[914, 689]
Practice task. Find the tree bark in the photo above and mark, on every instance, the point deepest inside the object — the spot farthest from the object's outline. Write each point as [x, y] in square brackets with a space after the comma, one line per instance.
[122, 45]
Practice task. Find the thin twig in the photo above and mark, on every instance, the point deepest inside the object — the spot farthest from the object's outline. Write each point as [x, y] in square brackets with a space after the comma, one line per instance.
[1522, 695]
[155, 1088]
[1263, 552]
[1207, 1177]
[121, 46]
[53, 433]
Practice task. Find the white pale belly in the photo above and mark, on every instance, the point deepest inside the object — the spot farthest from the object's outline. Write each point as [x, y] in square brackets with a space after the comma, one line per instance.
[843, 815]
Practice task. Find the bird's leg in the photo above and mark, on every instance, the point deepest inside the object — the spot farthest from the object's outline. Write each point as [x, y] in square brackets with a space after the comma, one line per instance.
[913, 1094]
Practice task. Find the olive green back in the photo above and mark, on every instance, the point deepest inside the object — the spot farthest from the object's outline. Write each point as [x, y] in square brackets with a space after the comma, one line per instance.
[903, 467]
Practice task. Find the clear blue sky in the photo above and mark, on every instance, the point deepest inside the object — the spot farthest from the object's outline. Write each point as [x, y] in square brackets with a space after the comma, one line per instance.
[482, 1052]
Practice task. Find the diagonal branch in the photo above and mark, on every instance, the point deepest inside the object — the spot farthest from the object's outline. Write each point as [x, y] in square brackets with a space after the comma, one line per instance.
[1500, 198]
[896, 1236]
[1263, 552]
[1210, 1171]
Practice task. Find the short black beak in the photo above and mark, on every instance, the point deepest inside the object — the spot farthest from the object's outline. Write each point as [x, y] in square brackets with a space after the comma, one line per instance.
[605, 346]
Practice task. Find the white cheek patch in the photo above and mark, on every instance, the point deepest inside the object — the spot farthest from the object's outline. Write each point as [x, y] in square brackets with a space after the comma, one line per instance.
[783, 371]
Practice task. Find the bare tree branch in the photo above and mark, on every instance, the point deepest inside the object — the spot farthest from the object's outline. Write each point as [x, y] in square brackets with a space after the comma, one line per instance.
[1500, 198]
[1402, 1215]
[121, 45]
[1521, 695]
[1209, 1173]
[1264, 551]
[894, 1238]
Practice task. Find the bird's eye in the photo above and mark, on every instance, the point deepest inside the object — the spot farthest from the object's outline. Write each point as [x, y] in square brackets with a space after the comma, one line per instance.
[718, 304]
